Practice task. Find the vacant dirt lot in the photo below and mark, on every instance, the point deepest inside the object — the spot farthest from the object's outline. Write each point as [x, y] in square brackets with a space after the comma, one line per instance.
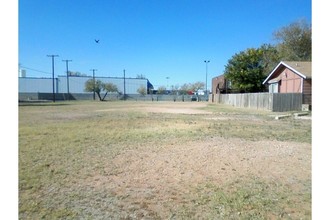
[152, 181]
[198, 170]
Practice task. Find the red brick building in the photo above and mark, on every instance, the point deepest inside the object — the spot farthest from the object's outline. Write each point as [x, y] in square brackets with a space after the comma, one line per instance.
[220, 85]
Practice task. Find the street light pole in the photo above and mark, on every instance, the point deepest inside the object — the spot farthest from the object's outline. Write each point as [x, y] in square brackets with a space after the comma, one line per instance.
[52, 56]
[206, 62]
[167, 82]
[93, 82]
[67, 76]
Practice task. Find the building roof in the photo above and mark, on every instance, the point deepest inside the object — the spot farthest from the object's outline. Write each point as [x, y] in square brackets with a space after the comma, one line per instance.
[302, 68]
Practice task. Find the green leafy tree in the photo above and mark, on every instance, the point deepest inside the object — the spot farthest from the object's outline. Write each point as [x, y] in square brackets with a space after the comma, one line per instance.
[245, 71]
[92, 85]
[270, 58]
[295, 41]
[97, 86]
[109, 87]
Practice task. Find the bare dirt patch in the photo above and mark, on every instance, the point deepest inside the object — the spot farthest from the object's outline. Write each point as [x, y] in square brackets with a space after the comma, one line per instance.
[168, 107]
[153, 181]
[179, 108]
[176, 110]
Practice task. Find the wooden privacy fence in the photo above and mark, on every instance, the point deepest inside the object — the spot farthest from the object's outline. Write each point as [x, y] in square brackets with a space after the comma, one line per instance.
[276, 102]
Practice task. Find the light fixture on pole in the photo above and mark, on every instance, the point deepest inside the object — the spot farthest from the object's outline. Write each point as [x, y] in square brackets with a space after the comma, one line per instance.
[206, 62]
[167, 82]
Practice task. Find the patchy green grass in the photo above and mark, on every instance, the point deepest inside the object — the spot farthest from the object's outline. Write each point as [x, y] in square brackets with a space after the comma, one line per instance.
[62, 145]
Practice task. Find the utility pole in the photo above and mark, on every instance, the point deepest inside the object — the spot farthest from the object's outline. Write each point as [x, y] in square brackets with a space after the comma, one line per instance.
[93, 82]
[124, 86]
[52, 56]
[67, 76]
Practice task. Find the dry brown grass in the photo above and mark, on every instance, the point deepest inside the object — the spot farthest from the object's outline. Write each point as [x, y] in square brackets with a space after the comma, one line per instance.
[161, 160]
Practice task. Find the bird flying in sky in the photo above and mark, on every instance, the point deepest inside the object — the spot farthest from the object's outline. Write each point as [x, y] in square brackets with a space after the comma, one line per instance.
[97, 41]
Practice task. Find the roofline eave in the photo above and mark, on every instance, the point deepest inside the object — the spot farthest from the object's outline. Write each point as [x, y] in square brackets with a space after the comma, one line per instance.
[287, 66]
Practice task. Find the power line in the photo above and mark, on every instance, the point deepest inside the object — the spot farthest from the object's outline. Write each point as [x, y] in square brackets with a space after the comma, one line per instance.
[40, 71]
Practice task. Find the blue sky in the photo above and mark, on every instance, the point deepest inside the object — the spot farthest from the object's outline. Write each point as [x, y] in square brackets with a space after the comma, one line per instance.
[156, 38]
